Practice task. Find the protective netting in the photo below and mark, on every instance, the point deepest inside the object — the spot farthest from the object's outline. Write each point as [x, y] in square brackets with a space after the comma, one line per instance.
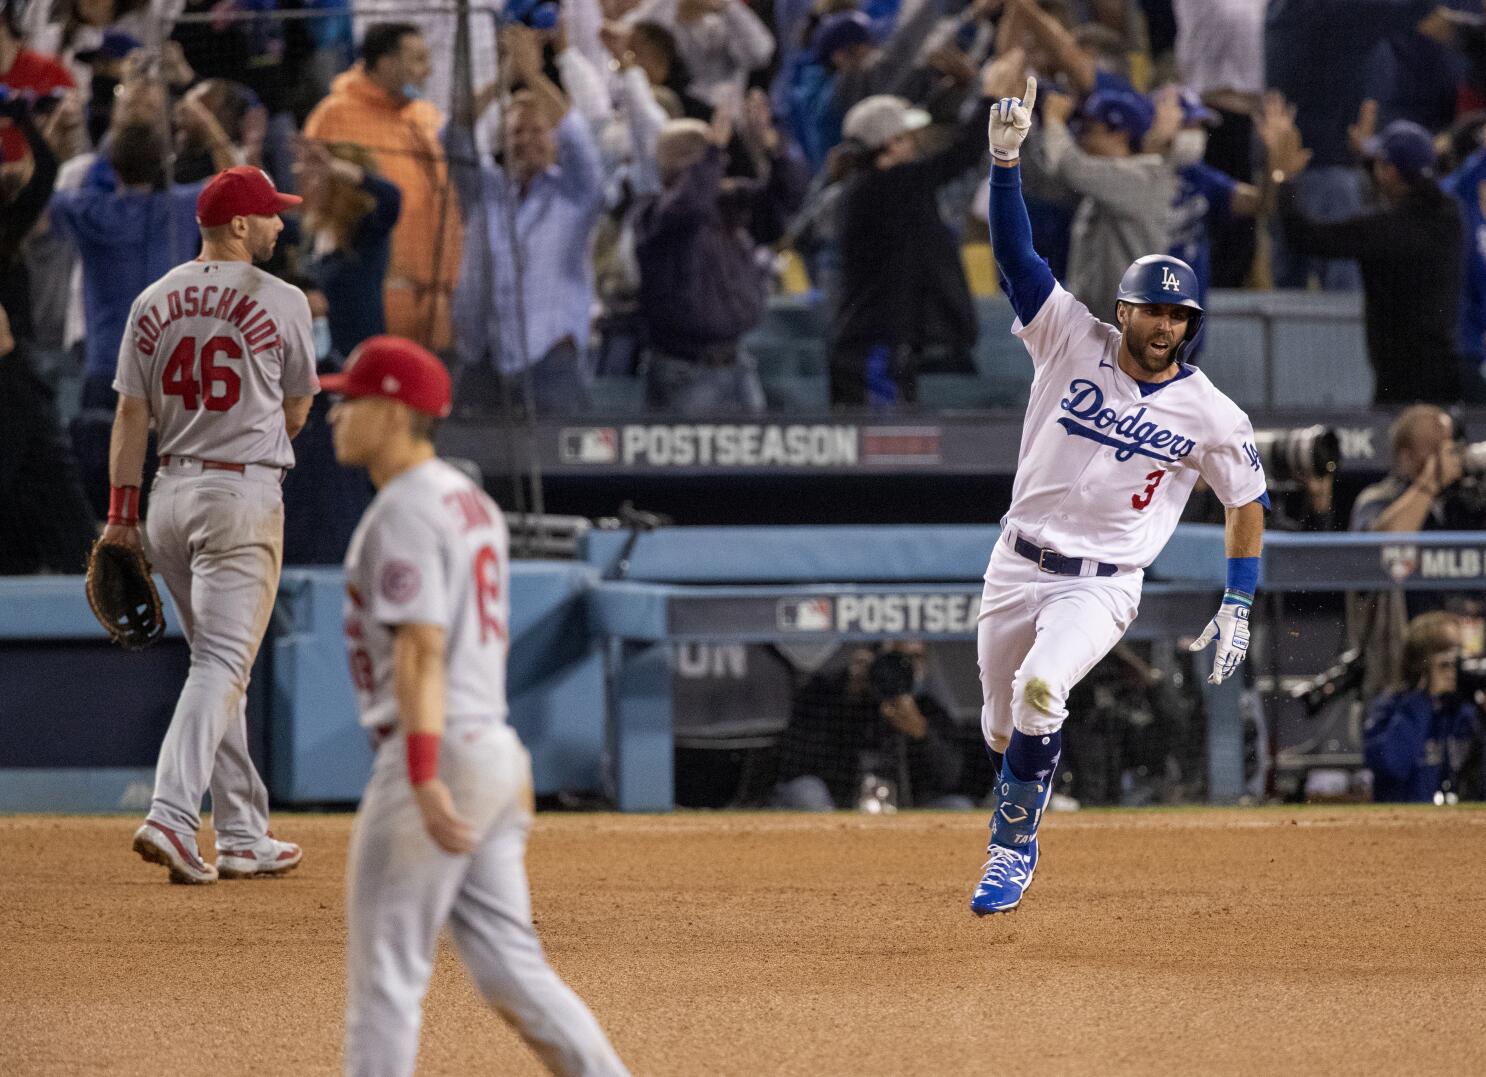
[896, 724]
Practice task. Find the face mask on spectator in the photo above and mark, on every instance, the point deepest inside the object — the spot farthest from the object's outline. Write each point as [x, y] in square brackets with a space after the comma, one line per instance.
[412, 91]
[321, 330]
[1188, 147]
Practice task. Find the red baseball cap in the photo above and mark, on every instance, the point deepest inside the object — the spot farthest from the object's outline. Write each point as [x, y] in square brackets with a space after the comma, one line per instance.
[243, 191]
[397, 369]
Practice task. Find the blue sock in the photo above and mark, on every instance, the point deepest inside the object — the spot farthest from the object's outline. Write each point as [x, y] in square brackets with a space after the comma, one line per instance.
[1035, 757]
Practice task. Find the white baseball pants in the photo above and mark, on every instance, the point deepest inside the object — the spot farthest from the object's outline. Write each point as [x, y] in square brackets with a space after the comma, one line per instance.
[1038, 635]
[402, 889]
[217, 537]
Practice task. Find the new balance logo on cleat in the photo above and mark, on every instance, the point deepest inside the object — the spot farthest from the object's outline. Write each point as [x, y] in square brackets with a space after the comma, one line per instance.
[1006, 876]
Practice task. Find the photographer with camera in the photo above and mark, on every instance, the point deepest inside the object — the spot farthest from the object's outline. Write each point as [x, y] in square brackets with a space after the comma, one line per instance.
[1423, 740]
[1427, 464]
[1424, 492]
[869, 736]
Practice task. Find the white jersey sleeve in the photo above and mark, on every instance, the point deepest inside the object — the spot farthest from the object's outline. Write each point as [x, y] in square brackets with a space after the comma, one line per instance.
[131, 376]
[1231, 466]
[407, 569]
[431, 549]
[1064, 331]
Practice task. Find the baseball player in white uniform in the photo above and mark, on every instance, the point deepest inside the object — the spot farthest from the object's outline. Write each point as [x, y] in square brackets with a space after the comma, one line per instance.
[220, 357]
[1117, 432]
[440, 837]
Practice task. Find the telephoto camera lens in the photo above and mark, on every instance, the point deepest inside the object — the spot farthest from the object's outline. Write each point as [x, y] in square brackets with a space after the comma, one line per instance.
[1300, 455]
[1473, 458]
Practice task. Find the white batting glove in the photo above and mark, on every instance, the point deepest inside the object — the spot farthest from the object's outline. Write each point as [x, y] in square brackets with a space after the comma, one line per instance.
[1011, 119]
[1230, 627]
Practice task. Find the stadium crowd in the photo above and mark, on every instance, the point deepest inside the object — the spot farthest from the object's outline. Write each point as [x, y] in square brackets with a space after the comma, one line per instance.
[609, 186]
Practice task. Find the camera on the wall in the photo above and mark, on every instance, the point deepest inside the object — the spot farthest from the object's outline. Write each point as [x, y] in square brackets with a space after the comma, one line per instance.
[1296, 456]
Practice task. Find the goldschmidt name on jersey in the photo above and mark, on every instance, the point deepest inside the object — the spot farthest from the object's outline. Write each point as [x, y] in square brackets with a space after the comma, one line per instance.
[259, 331]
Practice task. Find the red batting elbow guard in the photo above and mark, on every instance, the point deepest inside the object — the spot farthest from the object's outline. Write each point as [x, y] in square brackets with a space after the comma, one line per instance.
[423, 757]
[123, 506]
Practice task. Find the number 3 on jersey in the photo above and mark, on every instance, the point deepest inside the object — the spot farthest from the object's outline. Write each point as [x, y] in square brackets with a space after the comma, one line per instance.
[1139, 501]
[218, 388]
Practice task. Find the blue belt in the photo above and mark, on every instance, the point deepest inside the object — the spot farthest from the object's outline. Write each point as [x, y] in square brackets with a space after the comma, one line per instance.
[1052, 561]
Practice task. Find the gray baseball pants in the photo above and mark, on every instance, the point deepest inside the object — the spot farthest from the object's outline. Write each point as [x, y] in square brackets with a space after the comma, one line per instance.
[217, 538]
[402, 889]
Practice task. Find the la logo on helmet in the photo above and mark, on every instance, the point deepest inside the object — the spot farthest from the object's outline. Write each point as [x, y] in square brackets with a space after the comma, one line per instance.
[1169, 280]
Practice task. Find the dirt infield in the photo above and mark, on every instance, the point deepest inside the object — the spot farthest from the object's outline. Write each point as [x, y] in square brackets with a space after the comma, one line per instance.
[1326, 941]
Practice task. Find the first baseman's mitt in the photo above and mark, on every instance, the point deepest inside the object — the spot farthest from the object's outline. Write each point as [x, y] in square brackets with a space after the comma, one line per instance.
[123, 595]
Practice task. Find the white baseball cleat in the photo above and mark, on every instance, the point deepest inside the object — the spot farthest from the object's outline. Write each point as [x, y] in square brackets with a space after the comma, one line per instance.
[160, 845]
[267, 856]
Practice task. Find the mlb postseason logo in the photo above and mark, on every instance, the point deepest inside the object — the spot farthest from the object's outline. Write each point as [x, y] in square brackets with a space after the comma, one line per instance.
[1400, 561]
[588, 445]
[805, 615]
[1169, 280]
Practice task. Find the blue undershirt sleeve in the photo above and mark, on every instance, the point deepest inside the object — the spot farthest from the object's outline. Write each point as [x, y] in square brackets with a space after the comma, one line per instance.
[1024, 274]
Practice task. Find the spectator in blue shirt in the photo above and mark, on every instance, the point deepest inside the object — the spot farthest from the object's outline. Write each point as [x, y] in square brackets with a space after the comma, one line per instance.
[524, 300]
[1423, 741]
[1468, 184]
[847, 67]
[126, 236]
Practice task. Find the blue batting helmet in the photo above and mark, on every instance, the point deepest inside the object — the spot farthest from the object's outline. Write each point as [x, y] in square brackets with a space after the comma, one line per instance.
[1162, 279]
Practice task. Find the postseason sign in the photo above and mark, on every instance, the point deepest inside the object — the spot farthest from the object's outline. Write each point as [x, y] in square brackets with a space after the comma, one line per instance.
[948, 612]
[949, 443]
[706, 445]
[943, 611]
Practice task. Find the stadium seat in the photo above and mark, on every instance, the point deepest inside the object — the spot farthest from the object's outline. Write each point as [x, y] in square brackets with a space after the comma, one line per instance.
[952, 392]
[797, 392]
[617, 395]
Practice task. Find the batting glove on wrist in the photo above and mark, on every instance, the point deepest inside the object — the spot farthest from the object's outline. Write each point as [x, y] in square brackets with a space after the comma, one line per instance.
[1011, 119]
[1230, 627]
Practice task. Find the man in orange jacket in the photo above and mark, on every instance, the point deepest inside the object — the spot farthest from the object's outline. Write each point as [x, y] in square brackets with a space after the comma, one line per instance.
[379, 104]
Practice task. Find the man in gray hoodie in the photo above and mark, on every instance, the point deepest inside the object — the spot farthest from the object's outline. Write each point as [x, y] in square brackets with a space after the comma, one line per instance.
[1126, 192]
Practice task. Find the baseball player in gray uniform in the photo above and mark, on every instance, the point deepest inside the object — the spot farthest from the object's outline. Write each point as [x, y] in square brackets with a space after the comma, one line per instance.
[440, 837]
[1118, 431]
[220, 357]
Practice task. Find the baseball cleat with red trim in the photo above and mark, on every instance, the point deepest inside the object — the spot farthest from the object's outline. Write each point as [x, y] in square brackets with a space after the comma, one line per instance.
[268, 856]
[159, 844]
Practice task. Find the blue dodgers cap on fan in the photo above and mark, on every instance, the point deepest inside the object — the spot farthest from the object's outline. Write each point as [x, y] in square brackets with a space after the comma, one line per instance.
[115, 46]
[840, 31]
[1120, 110]
[1404, 145]
[1194, 111]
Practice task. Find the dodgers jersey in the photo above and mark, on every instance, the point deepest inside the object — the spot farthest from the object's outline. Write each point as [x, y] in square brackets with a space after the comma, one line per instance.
[1105, 471]
[431, 549]
[215, 347]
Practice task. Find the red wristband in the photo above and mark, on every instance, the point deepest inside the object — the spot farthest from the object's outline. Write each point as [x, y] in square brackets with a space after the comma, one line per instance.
[123, 505]
[423, 757]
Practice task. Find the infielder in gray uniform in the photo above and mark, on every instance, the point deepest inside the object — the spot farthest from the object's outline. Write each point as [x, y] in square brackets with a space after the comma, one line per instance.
[441, 833]
[220, 357]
